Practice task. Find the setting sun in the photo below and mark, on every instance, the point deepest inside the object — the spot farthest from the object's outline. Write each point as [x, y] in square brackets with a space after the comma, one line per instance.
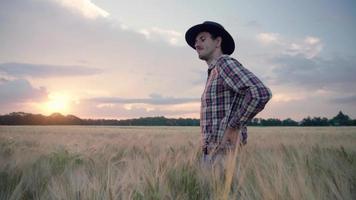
[57, 102]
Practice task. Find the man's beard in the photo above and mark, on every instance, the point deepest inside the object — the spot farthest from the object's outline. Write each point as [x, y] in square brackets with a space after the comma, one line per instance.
[203, 57]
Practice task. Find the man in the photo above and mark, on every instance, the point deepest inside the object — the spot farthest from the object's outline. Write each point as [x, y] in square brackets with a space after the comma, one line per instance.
[232, 95]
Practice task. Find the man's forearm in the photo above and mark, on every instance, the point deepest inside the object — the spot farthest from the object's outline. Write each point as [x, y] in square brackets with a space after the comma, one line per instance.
[253, 103]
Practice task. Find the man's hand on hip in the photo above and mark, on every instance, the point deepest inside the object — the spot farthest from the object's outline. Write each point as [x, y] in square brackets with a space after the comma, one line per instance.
[231, 136]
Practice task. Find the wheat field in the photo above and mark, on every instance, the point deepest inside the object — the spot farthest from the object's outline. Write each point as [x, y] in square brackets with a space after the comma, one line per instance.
[100, 162]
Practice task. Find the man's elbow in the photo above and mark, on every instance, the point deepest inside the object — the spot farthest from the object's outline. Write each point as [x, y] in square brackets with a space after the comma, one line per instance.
[264, 96]
[269, 94]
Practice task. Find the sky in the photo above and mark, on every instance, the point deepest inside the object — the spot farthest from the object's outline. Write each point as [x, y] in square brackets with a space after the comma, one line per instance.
[118, 59]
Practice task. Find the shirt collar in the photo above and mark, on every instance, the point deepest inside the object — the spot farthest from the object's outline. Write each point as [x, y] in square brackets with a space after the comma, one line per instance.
[213, 62]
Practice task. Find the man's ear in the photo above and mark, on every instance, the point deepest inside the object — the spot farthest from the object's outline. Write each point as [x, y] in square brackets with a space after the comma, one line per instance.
[219, 41]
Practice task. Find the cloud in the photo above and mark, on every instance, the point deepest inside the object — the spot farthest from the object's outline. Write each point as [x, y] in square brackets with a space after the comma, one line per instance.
[19, 91]
[268, 38]
[155, 99]
[171, 36]
[121, 112]
[85, 7]
[310, 47]
[155, 105]
[337, 74]
[45, 71]
[296, 63]
[350, 99]
[3, 80]
[62, 38]
[133, 108]
[282, 97]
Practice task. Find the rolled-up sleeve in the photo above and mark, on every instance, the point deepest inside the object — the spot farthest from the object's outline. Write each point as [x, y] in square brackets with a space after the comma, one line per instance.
[252, 95]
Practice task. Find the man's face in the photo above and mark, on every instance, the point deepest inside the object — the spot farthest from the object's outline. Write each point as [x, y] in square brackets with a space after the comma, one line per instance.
[205, 45]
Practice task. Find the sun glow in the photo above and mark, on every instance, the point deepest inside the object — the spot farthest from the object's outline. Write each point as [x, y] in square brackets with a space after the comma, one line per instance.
[57, 102]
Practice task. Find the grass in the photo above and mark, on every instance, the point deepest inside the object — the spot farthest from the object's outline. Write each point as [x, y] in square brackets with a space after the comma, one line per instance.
[78, 162]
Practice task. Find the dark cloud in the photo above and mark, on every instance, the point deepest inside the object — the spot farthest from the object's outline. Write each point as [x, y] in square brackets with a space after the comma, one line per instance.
[44, 71]
[344, 100]
[155, 99]
[337, 74]
[2, 79]
[19, 91]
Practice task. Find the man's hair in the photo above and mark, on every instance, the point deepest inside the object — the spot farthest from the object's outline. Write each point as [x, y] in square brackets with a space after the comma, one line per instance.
[214, 36]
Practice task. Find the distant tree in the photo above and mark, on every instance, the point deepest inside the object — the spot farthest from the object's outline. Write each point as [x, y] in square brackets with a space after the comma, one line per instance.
[289, 122]
[306, 122]
[318, 121]
[22, 118]
[271, 122]
[353, 122]
[341, 120]
[315, 121]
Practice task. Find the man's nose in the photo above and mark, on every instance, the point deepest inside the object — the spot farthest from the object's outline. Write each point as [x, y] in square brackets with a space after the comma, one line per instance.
[196, 45]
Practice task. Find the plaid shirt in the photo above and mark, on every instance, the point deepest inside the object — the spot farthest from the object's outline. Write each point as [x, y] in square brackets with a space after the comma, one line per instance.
[232, 96]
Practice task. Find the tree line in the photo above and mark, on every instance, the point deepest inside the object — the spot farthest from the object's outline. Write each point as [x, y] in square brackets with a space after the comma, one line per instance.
[21, 118]
[339, 120]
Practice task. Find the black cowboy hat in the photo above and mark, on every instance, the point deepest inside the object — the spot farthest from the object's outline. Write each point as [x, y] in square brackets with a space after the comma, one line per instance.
[227, 45]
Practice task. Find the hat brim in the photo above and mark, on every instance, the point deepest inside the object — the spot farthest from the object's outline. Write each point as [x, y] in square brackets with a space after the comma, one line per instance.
[228, 44]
